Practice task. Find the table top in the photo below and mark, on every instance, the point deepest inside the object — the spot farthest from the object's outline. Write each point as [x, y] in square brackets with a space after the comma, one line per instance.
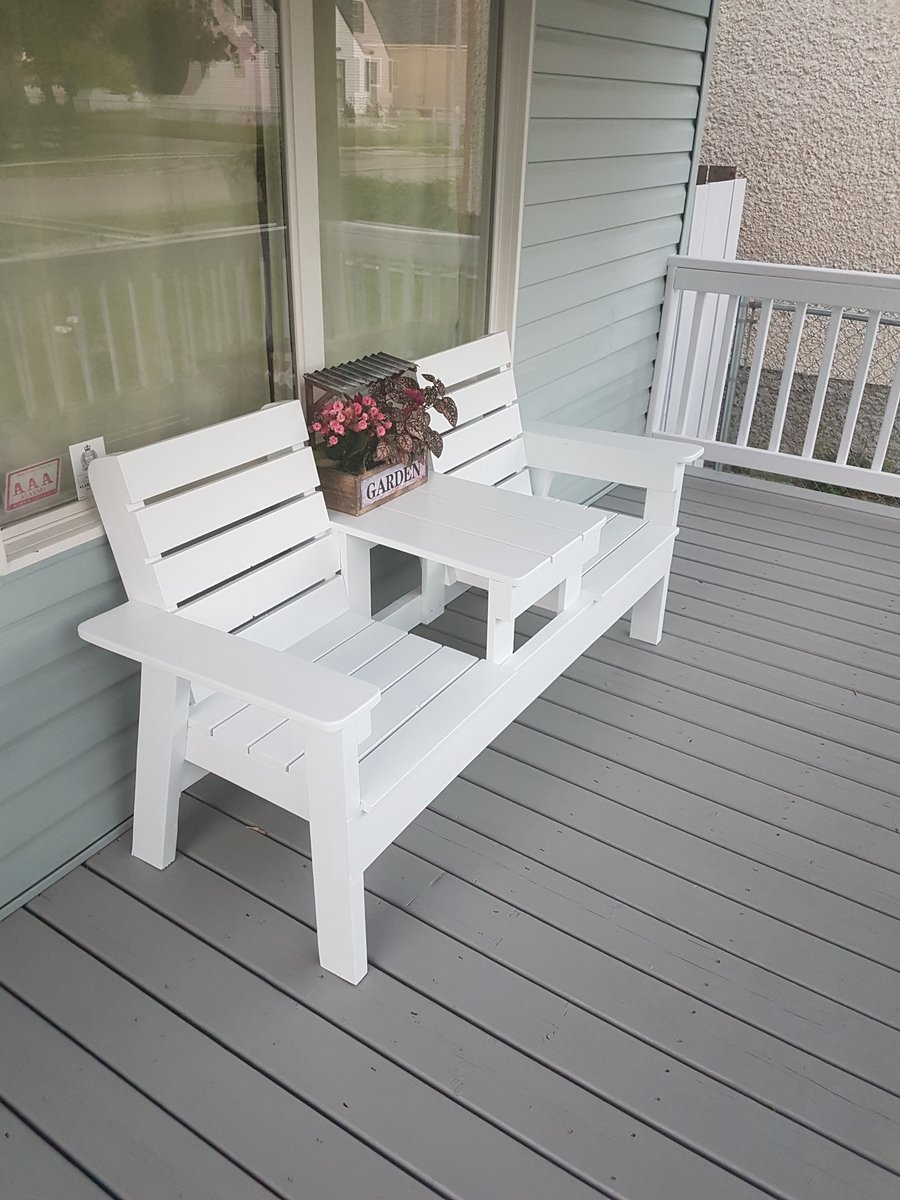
[488, 531]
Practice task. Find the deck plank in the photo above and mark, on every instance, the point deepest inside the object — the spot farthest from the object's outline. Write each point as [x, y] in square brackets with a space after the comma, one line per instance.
[32, 1169]
[130, 1145]
[245, 880]
[147, 1042]
[420, 1128]
[643, 948]
[542, 984]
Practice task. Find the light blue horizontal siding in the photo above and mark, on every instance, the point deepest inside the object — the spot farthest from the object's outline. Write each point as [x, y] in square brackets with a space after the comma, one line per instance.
[615, 96]
[67, 719]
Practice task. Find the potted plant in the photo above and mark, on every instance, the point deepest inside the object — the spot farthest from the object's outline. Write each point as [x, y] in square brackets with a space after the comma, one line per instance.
[374, 445]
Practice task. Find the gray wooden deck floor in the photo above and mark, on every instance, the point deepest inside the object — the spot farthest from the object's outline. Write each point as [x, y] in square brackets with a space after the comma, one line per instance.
[646, 947]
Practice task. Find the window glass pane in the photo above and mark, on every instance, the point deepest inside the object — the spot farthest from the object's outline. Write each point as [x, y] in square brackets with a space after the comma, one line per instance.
[404, 172]
[142, 259]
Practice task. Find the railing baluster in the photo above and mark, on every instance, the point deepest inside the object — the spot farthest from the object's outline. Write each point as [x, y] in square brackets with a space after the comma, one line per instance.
[787, 376]
[709, 420]
[216, 307]
[859, 384]
[888, 421]
[110, 340]
[53, 361]
[84, 356]
[17, 341]
[185, 281]
[685, 404]
[756, 366]
[818, 404]
[162, 332]
[138, 339]
[226, 306]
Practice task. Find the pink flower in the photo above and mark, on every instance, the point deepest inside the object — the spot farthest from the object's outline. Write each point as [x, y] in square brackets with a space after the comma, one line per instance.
[336, 427]
[332, 441]
[380, 430]
[316, 427]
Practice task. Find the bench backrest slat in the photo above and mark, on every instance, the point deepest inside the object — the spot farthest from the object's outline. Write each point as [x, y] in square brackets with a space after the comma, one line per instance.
[246, 531]
[486, 445]
[182, 461]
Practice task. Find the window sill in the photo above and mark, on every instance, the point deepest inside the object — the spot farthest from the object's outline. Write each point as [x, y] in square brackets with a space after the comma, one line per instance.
[49, 534]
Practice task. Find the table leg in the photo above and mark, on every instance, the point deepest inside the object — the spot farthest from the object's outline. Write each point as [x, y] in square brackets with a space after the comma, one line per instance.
[433, 589]
[501, 625]
[357, 571]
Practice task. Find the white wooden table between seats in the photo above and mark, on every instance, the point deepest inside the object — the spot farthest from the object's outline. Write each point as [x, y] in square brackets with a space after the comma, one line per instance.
[527, 549]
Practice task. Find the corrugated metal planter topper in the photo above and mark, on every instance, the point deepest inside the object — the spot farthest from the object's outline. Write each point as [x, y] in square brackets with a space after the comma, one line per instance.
[370, 427]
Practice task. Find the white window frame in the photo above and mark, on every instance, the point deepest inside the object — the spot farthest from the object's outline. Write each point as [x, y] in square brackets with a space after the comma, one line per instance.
[37, 538]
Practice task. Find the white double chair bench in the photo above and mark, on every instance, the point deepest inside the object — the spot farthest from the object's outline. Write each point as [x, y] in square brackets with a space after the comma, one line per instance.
[255, 665]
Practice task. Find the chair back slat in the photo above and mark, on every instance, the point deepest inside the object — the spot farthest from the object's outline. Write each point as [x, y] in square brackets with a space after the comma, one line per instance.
[486, 445]
[246, 534]
[190, 515]
[462, 363]
[245, 600]
[498, 466]
[475, 439]
[233, 552]
[191, 457]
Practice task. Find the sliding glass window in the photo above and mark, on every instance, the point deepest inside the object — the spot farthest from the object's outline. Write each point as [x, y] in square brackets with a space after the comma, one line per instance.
[143, 286]
[405, 99]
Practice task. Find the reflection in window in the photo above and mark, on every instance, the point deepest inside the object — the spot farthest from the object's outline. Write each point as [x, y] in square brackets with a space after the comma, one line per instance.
[404, 172]
[142, 276]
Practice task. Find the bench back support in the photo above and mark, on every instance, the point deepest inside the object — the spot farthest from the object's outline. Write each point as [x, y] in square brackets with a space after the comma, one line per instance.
[224, 524]
[486, 446]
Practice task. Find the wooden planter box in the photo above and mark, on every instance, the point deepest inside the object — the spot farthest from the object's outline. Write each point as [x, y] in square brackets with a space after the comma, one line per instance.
[356, 494]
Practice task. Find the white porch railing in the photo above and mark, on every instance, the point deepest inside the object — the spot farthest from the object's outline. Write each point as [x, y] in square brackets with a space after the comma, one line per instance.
[789, 370]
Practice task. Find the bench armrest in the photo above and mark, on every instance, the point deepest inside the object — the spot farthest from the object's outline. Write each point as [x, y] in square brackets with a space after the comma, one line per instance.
[630, 459]
[299, 690]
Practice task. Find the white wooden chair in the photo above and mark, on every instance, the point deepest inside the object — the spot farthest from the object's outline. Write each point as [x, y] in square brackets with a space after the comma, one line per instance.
[255, 668]
[489, 445]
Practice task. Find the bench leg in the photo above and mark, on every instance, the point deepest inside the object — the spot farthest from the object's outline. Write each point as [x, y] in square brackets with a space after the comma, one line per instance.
[647, 615]
[162, 733]
[333, 787]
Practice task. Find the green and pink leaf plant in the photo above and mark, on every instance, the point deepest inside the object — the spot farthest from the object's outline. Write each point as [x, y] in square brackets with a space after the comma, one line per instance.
[389, 425]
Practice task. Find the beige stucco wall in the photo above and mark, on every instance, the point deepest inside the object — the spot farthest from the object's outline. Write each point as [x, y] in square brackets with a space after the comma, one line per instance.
[805, 101]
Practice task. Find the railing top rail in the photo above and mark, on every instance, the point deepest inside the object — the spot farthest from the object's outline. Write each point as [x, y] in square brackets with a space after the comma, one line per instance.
[681, 263]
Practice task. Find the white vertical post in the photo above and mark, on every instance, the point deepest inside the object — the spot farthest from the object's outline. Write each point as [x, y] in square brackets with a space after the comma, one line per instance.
[709, 418]
[433, 589]
[887, 424]
[160, 765]
[756, 366]
[332, 773]
[859, 385]
[356, 568]
[692, 393]
[818, 404]
[660, 398]
[787, 377]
